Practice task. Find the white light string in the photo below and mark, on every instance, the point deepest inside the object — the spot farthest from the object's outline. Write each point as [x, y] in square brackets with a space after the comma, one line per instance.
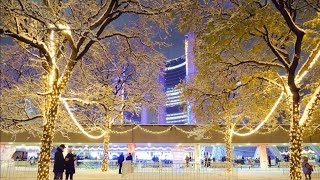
[64, 102]
[309, 107]
[163, 131]
[124, 132]
[264, 121]
[316, 53]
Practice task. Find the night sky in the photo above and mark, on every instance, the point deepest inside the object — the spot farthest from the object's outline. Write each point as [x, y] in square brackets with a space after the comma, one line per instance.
[175, 38]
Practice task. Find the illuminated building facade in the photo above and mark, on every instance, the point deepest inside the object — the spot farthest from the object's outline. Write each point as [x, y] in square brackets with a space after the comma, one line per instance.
[175, 73]
[176, 70]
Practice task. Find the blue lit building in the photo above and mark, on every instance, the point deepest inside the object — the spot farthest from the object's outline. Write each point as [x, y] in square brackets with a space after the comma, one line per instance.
[174, 112]
[175, 73]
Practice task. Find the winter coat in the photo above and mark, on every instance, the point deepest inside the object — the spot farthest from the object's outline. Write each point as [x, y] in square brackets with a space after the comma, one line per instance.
[120, 159]
[58, 161]
[69, 163]
[306, 168]
[129, 158]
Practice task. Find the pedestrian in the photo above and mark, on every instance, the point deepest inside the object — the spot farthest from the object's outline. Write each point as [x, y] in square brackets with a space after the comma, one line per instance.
[129, 157]
[120, 161]
[69, 161]
[306, 168]
[269, 161]
[277, 160]
[187, 160]
[58, 167]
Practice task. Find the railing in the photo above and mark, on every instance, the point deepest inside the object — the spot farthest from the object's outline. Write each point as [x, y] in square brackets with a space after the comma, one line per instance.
[18, 170]
[176, 171]
[94, 164]
[27, 170]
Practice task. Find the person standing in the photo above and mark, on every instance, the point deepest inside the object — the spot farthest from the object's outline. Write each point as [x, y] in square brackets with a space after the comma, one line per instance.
[129, 157]
[306, 168]
[120, 161]
[269, 161]
[69, 161]
[187, 159]
[58, 166]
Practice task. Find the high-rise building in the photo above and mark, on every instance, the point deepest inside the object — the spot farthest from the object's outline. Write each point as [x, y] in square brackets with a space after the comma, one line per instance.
[175, 110]
[175, 73]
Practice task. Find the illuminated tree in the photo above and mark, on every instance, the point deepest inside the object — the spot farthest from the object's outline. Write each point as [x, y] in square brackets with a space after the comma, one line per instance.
[223, 101]
[279, 39]
[61, 36]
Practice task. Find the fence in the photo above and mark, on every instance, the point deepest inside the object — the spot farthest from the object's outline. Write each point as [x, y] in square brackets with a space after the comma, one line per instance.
[180, 171]
[94, 164]
[12, 170]
[176, 171]
[18, 169]
[28, 169]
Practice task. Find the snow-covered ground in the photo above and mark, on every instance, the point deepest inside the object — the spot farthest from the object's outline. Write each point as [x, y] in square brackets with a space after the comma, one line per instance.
[239, 174]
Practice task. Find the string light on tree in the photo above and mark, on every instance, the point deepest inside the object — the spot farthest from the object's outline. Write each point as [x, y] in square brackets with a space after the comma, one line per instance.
[264, 121]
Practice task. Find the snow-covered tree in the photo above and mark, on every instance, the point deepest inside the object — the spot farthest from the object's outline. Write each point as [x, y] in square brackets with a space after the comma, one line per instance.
[278, 39]
[62, 39]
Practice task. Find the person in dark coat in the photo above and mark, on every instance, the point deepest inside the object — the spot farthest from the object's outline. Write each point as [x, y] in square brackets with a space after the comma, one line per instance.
[307, 168]
[269, 161]
[120, 161]
[129, 157]
[69, 162]
[58, 167]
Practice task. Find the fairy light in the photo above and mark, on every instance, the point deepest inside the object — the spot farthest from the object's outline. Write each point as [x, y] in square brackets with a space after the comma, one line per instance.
[316, 54]
[65, 29]
[264, 121]
[295, 143]
[310, 106]
[80, 100]
[77, 123]
[52, 52]
[151, 132]
[49, 114]
[124, 132]
[228, 140]
[179, 129]
[106, 142]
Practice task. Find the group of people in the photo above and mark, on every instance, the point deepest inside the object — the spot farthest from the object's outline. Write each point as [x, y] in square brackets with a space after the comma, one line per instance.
[121, 159]
[66, 163]
[63, 163]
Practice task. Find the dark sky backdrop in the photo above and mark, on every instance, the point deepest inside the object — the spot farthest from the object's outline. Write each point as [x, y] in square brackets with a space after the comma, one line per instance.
[175, 38]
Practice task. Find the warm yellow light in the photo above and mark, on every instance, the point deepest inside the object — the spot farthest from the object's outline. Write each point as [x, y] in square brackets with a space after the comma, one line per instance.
[298, 79]
[264, 121]
[310, 106]
[64, 102]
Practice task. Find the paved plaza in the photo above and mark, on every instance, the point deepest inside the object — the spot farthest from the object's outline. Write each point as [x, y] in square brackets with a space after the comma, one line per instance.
[239, 174]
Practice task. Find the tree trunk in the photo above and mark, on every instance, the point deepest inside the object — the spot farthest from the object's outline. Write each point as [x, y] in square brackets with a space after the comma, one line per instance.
[105, 161]
[228, 140]
[51, 108]
[295, 141]
[106, 140]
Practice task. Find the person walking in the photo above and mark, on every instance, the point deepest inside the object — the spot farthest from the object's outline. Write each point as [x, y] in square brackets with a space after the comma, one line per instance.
[69, 161]
[120, 161]
[58, 166]
[306, 168]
